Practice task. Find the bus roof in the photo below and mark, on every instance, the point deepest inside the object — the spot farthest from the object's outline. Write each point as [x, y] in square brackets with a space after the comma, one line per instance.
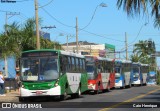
[39, 50]
[123, 61]
[71, 54]
[99, 58]
[59, 51]
[144, 65]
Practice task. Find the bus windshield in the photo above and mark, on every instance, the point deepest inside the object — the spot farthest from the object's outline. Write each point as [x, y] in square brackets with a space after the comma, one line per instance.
[90, 71]
[117, 76]
[135, 70]
[89, 68]
[118, 70]
[136, 75]
[39, 68]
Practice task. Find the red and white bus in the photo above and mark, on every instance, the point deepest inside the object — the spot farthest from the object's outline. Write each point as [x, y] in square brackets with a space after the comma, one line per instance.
[101, 75]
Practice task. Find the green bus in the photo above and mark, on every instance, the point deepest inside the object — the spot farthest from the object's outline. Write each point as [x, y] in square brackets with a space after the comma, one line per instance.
[49, 72]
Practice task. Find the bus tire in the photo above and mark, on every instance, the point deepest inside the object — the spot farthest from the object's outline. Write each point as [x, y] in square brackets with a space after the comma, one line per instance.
[130, 84]
[64, 96]
[76, 95]
[123, 87]
[21, 99]
[97, 91]
[108, 88]
[141, 84]
[79, 93]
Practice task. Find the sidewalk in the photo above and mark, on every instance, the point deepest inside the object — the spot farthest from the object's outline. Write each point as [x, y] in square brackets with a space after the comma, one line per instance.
[10, 96]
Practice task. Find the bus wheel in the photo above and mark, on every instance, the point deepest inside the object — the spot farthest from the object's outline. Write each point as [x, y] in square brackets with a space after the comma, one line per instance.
[124, 86]
[77, 95]
[108, 88]
[21, 99]
[130, 85]
[64, 96]
[97, 91]
[141, 84]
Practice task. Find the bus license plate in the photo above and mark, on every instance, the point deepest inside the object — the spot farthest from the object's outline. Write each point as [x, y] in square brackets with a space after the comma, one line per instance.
[38, 92]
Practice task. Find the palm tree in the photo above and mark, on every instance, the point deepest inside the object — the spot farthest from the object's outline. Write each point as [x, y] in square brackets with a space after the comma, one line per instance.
[135, 7]
[142, 50]
[28, 41]
[20, 38]
[134, 58]
[8, 45]
[157, 23]
[132, 6]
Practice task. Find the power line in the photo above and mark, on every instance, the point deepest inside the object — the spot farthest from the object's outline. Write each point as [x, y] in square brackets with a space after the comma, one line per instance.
[46, 4]
[102, 36]
[78, 28]
[57, 19]
[138, 34]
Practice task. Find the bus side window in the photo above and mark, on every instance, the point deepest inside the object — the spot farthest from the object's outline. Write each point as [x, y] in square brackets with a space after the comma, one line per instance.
[83, 66]
[76, 64]
[63, 64]
[80, 64]
[73, 64]
[69, 64]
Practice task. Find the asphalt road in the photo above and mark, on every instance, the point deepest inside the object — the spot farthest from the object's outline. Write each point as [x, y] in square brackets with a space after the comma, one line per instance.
[115, 100]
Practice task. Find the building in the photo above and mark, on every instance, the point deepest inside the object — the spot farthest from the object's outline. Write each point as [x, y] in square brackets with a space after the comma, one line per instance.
[86, 48]
[11, 67]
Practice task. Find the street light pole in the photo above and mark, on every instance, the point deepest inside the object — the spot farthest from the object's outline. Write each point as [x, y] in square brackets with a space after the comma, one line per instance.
[37, 25]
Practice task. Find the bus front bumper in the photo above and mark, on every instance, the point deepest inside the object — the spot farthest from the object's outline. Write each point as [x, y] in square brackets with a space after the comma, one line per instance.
[91, 87]
[136, 82]
[118, 84]
[50, 92]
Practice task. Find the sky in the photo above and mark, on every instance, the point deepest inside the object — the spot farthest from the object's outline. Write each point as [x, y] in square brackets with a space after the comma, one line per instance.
[107, 26]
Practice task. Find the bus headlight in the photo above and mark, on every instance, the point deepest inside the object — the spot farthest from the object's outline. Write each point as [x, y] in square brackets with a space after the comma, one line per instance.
[56, 83]
[119, 81]
[22, 86]
[90, 84]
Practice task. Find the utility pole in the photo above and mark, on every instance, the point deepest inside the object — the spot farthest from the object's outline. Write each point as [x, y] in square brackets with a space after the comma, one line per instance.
[77, 34]
[126, 43]
[67, 43]
[6, 22]
[37, 25]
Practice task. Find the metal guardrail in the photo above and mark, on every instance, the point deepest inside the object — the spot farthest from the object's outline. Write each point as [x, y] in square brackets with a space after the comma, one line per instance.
[10, 84]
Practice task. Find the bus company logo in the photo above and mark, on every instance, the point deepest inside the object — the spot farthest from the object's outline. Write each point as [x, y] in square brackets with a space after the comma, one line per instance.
[8, 1]
[6, 105]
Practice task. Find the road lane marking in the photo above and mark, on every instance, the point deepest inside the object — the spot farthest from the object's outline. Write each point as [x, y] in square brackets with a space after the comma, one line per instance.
[129, 100]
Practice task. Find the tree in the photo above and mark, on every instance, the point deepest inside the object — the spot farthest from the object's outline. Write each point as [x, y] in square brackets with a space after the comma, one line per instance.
[18, 38]
[142, 50]
[8, 46]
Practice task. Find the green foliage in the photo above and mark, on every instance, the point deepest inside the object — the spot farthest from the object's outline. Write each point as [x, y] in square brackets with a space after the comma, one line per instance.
[136, 7]
[158, 77]
[20, 38]
[142, 50]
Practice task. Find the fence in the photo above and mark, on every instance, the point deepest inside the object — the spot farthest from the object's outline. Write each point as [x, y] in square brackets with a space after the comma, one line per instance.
[10, 84]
